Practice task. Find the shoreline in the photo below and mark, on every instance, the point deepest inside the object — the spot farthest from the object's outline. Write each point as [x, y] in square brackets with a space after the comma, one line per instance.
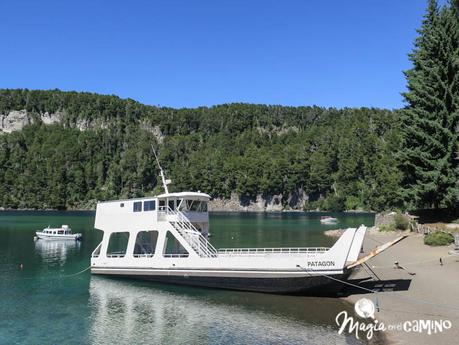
[425, 290]
[210, 210]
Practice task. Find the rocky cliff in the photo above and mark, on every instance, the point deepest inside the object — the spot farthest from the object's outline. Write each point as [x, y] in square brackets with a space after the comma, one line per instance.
[15, 120]
[271, 203]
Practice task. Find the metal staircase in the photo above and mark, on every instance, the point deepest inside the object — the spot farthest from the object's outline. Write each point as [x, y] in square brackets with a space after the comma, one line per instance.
[191, 235]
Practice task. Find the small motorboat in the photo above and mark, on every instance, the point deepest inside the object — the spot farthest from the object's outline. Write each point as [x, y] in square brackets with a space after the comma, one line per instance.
[328, 220]
[62, 233]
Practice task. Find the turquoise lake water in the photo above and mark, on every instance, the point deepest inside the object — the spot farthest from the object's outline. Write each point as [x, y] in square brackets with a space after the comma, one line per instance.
[41, 304]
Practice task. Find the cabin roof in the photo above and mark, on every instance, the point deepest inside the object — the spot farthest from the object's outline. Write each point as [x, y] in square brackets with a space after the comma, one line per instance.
[184, 195]
[196, 195]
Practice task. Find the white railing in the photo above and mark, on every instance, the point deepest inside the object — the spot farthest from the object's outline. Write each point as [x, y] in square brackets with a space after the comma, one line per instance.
[189, 232]
[260, 251]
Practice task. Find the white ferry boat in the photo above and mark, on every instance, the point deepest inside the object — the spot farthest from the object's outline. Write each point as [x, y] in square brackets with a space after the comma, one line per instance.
[62, 233]
[164, 239]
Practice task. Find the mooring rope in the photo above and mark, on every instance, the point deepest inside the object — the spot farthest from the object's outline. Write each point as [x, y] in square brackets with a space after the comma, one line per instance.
[409, 263]
[412, 299]
[59, 276]
[75, 274]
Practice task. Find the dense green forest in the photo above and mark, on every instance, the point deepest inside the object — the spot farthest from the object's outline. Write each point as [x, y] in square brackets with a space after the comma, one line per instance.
[343, 156]
[352, 158]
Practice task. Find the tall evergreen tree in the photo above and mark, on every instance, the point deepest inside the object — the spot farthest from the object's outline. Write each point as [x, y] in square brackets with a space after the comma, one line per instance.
[429, 122]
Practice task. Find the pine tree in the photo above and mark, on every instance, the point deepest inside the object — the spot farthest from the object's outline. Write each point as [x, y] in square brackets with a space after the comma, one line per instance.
[429, 122]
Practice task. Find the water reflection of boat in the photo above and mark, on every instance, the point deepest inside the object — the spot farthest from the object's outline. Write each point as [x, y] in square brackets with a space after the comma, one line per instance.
[123, 312]
[56, 250]
[328, 220]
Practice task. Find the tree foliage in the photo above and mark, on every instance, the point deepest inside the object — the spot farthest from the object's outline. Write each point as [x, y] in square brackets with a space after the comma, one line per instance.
[101, 149]
[429, 124]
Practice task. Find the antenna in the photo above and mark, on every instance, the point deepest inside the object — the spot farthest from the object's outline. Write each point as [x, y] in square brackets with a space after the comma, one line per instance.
[161, 172]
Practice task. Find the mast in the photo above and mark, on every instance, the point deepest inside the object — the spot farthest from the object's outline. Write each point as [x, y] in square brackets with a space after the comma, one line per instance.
[161, 172]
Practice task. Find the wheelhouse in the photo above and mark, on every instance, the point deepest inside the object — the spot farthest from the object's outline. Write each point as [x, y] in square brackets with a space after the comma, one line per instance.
[137, 227]
[65, 230]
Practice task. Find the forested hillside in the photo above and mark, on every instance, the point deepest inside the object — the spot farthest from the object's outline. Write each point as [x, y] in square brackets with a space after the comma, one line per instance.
[66, 150]
[101, 149]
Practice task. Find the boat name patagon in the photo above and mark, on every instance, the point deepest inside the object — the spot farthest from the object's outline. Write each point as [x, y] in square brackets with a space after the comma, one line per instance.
[320, 263]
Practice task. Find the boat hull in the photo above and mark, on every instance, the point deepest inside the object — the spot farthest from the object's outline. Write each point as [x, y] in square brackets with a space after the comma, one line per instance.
[58, 237]
[294, 285]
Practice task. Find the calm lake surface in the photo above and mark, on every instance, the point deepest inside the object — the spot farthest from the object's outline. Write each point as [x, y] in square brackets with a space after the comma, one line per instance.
[41, 304]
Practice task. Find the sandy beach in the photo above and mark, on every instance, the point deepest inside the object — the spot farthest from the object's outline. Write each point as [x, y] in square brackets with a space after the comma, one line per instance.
[424, 290]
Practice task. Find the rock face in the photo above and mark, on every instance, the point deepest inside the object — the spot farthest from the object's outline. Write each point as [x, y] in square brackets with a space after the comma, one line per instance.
[385, 218]
[16, 120]
[271, 203]
[155, 130]
[234, 204]
[49, 119]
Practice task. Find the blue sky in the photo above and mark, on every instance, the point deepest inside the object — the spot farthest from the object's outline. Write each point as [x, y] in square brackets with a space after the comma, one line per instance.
[192, 53]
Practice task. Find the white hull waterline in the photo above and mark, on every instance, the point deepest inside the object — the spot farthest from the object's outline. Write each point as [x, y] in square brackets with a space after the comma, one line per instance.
[43, 236]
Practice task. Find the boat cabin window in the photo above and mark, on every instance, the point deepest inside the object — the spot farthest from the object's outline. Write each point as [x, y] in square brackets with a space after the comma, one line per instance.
[60, 232]
[149, 205]
[171, 204]
[173, 248]
[162, 205]
[122, 204]
[138, 206]
[117, 244]
[145, 243]
[193, 206]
